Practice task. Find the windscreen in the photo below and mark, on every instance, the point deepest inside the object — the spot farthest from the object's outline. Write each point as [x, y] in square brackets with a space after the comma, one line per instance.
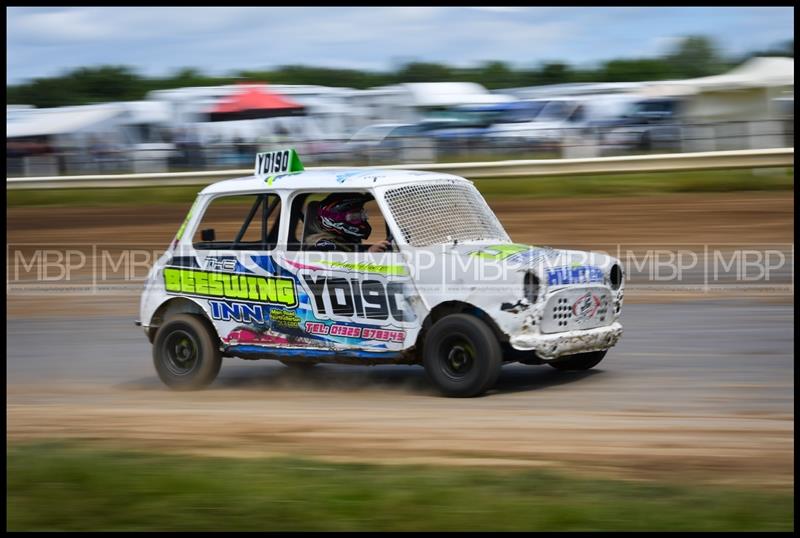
[443, 212]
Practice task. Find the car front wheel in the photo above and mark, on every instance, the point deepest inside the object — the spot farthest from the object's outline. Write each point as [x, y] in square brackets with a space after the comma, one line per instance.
[462, 356]
[185, 353]
[581, 361]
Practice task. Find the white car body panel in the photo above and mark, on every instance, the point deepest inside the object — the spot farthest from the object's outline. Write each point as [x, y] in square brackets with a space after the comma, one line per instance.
[372, 307]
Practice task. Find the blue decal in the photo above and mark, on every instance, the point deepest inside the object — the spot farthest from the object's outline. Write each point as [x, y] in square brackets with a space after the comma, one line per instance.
[579, 274]
[241, 268]
[265, 262]
[344, 176]
[315, 352]
[532, 256]
[241, 312]
[269, 265]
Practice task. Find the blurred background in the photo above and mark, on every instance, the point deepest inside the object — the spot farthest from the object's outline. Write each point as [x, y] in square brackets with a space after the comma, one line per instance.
[605, 93]
[688, 424]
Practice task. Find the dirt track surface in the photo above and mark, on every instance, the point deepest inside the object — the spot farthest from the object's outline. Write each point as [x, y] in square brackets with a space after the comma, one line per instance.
[377, 426]
[736, 220]
[693, 392]
[698, 390]
[597, 222]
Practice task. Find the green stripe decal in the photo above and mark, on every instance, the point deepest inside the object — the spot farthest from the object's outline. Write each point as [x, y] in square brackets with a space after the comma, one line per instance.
[186, 221]
[500, 252]
[397, 270]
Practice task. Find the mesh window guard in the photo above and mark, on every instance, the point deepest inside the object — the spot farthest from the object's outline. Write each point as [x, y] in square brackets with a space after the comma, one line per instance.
[435, 213]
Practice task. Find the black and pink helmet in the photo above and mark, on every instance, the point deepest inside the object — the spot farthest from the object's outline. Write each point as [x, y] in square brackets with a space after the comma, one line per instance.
[344, 215]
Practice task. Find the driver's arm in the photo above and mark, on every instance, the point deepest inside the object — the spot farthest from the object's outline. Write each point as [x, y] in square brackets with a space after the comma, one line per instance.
[383, 246]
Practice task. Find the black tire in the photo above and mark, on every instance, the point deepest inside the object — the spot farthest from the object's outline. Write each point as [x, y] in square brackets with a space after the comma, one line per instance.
[186, 353]
[581, 361]
[462, 356]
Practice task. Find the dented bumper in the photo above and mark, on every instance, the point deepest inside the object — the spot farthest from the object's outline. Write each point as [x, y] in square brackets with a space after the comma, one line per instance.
[552, 346]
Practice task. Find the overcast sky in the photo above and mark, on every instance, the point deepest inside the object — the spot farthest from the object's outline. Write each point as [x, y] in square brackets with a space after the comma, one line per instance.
[157, 41]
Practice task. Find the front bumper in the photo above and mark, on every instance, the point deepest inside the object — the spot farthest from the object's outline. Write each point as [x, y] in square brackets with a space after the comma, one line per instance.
[552, 346]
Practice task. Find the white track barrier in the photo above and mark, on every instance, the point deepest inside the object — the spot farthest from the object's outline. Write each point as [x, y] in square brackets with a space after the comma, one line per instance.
[754, 158]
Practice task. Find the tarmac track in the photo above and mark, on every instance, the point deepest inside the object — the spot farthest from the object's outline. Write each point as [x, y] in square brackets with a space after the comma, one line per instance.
[700, 388]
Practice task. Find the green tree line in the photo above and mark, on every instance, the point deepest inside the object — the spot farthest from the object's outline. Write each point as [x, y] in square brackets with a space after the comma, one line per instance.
[693, 56]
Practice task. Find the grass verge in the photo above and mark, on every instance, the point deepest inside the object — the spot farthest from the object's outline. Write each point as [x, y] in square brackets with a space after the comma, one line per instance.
[640, 184]
[607, 184]
[60, 486]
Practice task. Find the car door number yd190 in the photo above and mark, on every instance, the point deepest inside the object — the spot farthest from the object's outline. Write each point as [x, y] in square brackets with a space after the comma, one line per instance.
[372, 300]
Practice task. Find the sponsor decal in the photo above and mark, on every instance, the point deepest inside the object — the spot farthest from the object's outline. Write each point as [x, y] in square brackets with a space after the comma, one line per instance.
[499, 252]
[532, 256]
[254, 313]
[259, 324]
[585, 307]
[398, 270]
[270, 290]
[344, 176]
[341, 177]
[279, 326]
[220, 264]
[287, 319]
[574, 274]
[374, 300]
[250, 335]
[515, 254]
[326, 353]
[367, 333]
[241, 312]
[386, 335]
[301, 265]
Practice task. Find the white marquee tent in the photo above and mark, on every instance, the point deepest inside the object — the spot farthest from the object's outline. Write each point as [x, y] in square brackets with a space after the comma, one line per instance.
[746, 93]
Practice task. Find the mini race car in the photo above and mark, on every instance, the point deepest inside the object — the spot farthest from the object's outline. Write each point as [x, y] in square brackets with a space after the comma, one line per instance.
[444, 288]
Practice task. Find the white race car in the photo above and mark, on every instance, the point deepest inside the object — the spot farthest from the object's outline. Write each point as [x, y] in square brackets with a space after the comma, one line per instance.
[442, 285]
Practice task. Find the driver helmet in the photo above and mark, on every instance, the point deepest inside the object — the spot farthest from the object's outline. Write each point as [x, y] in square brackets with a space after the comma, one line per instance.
[345, 216]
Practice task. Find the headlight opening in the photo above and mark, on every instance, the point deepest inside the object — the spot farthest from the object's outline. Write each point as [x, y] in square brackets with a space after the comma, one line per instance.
[531, 287]
[615, 277]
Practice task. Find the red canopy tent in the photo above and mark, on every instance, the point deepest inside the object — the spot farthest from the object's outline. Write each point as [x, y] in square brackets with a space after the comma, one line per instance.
[252, 102]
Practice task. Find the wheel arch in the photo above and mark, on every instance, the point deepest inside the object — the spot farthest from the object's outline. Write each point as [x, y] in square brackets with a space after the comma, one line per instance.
[178, 305]
[457, 307]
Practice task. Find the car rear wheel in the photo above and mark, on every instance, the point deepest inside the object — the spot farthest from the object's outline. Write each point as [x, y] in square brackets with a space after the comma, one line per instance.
[581, 361]
[185, 353]
[462, 356]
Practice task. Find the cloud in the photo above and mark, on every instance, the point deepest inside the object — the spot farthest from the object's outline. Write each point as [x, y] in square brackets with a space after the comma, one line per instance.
[59, 26]
[45, 41]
